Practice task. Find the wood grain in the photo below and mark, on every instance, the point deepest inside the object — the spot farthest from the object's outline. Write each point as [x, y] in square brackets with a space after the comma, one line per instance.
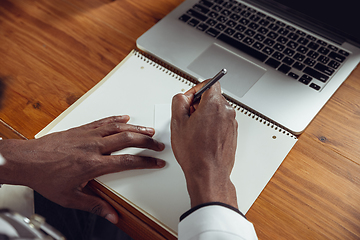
[52, 52]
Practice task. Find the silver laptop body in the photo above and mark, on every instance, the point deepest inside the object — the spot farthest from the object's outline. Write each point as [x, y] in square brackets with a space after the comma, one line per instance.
[283, 94]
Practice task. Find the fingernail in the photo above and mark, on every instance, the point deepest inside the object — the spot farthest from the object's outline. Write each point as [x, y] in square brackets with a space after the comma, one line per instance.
[111, 218]
[161, 145]
[150, 130]
[160, 163]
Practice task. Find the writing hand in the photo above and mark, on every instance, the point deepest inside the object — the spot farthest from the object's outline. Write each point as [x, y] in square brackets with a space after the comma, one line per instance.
[203, 138]
[59, 165]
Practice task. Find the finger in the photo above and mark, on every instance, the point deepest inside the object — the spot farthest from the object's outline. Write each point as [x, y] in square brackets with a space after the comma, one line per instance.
[180, 109]
[105, 121]
[116, 127]
[119, 163]
[127, 139]
[92, 203]
[196, 88]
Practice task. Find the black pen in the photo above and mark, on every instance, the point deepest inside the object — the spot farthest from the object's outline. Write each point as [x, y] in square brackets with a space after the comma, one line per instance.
[216, 78]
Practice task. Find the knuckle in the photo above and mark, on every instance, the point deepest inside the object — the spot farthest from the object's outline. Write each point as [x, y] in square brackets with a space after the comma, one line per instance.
[127, 137]
[96, 209]
[127, 160]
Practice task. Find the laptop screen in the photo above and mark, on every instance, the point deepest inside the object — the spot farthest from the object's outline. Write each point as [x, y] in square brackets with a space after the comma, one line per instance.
[340, 17]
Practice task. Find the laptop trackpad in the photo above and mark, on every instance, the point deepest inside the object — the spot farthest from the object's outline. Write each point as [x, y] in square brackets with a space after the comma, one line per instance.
[242, 74]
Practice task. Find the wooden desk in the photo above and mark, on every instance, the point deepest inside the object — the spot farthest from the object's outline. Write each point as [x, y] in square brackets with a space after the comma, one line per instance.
[52, 52]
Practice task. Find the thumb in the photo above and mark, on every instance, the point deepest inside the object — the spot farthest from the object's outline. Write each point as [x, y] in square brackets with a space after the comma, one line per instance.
[180, 109]
[94, 204]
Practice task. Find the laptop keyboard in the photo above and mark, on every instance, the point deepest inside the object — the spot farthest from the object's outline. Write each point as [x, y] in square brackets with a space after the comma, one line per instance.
[301, 56]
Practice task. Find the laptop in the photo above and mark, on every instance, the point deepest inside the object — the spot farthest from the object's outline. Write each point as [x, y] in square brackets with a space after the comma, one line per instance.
[285, 59]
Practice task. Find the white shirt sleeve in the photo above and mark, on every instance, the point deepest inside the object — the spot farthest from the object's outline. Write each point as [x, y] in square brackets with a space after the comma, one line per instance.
[215, 222]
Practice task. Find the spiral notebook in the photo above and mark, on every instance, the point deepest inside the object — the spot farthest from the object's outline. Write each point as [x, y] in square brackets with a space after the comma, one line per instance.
[143, 89]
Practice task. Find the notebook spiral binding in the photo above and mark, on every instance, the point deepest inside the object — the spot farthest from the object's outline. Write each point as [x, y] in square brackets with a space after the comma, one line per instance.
[192, 82]
[166, 68]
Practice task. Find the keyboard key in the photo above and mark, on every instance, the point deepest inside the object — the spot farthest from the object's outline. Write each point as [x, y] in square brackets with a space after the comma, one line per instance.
[305, 79]
[184, 18]
[213, 14]
[269, 42]
[284, 68]
[272, 35]
[222, 19]
[197, 15]
[229, 31]
[201, 9]
[211, 22]
[239, 36]
[324, 69]
[213, 32]
[313, 45]
[217, 8]
[321, 42]
[332, 47]
[226, 12]
[268, 50]
[235, 17]
[250, 32]
[311, 38]
[310, 62]
[244, 21]
[259, 37]
[323, 59]
[337, 57]
[279, 47]
[288, 61]
[258, 45]
[334, 64]
[278, 56]
[344, 53]
[273, 27]
[293, 36]
[254, 18]
[206, 3]
[220, 26]
[292, 44]
[290, 28]
[315, 86]
[245, 13]
[316, 74]
[240, 28]
[193, 22]
[302, 49]
[303, 41]
[312, 54]
[202, 27]
[299, 66]
[323, 50]
[293, 75]
[231, 23]
[283, 31]
[264, 22]
[227, 5]
[299, 57]
[270, 19]
[289, 52]
[273, 63]
[253, 26]
[242, 47]
[263, 30]
[300, 33]
[282, 40]
[249, 41]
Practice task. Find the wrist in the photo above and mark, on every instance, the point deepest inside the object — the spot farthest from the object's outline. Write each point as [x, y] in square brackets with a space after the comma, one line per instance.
[216, 189]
